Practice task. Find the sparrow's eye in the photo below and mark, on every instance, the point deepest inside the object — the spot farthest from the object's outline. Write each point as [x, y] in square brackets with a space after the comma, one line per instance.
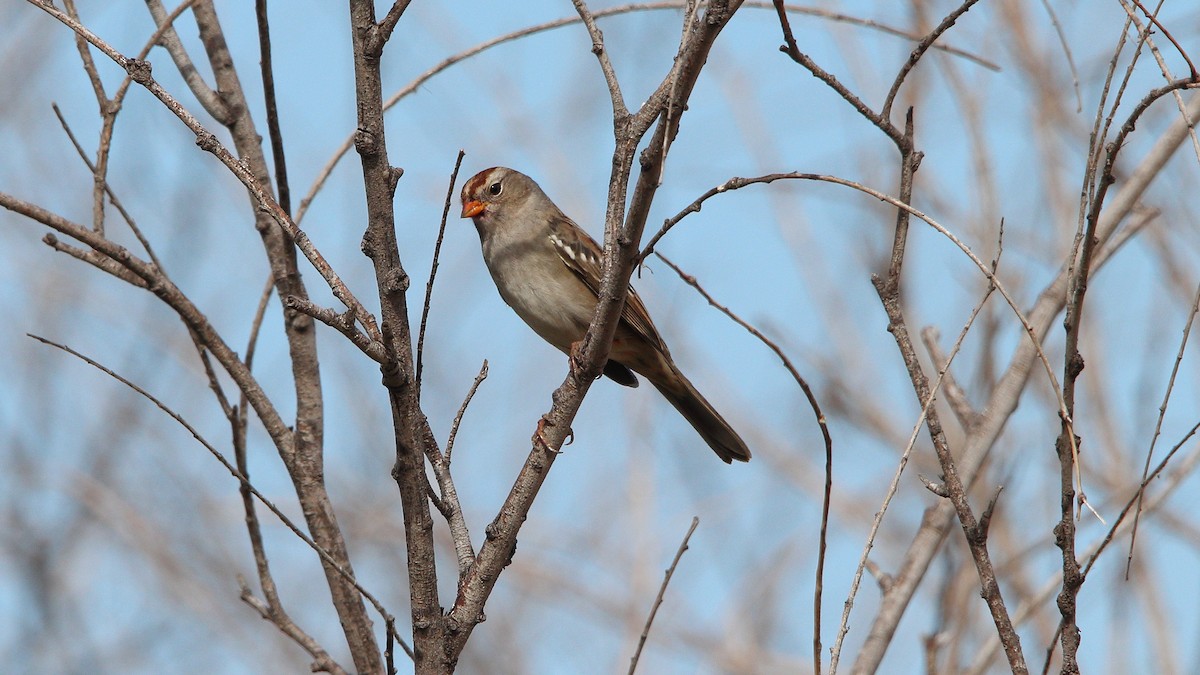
[495, 189]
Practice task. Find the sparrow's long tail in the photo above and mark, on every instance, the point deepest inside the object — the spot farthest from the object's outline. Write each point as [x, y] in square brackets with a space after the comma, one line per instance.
[700, 414]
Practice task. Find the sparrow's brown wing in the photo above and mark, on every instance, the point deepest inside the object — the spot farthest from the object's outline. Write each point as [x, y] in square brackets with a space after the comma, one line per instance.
[583, 256]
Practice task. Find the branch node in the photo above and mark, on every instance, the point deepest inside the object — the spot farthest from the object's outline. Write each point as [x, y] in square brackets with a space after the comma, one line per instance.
[397, 281]
[393, 376]
[139, 71]
[985, 520]
[365, 142]
[1075, 366]
[208, 142]
[938, 489]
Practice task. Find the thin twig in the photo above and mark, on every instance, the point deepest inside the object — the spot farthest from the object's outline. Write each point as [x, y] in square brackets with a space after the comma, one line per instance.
[955, 395]
[343, 322]
[389, 651]
[433, 267]
[260, 313]
[448, 503]
[234, 415]
[915, 56]
[89, 64]
[620, 110]
[1062, 42]
[839, 17]
[1162, 413]
[322, 662]
[388, 24]
[462, 409]
[209, 99]
[818, 588]
[107, 111]
[793, 51]
[273, 130]
[984, 268]
[1153, 17]
[99, 260]
[239, 420]
[662, 590]
[734, 183]
[112, 196]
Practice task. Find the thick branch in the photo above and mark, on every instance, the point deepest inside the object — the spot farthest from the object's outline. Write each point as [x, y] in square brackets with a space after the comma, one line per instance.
[412, 436]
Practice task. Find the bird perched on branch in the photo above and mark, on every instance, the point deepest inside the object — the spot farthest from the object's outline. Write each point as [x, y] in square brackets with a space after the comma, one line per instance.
[548, 270]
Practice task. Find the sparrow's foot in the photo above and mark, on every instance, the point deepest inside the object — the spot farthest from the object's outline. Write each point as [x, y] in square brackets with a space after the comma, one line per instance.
[539, 436]
[574, 357]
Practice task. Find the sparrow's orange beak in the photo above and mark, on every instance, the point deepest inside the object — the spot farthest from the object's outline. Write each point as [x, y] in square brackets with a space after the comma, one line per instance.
[472, 208]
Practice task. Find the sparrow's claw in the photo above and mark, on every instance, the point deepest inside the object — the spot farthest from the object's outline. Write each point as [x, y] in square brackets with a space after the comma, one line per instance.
[573, 356]
[539, 436]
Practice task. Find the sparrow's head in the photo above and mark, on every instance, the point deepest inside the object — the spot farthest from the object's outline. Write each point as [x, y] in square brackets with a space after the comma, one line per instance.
[495, 191]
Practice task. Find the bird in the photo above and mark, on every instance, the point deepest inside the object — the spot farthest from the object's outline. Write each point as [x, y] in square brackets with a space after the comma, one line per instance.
[547, 269]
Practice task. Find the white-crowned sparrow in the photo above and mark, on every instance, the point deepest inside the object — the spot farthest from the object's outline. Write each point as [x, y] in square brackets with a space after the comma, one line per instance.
[548, 270]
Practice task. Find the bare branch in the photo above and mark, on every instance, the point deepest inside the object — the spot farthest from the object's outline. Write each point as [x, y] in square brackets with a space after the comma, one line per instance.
[662, 590]
[1162, 413]
[96, 259]
[388, 24]
[793, 51]
[620, 111]
[433, 267]
[169, 39]
[955, 395]
[1153, 17]
[112, 197]
[322, 662]
[822, 542]
[462, 409]
[268, 81]
[915, 57]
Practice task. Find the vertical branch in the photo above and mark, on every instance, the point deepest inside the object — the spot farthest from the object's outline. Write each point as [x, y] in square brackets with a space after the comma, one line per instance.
[268, 80]
[413, 438]
[888, 289]
[1067, 443]
[662, 591]
[108, 115]
[433, 268]
[305, 464]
